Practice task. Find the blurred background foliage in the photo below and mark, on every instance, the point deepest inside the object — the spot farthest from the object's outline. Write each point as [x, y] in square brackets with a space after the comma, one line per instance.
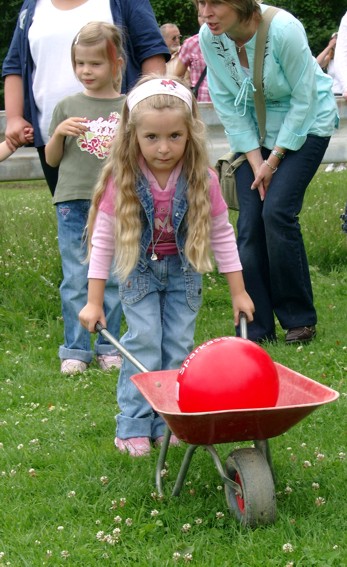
[320, 20]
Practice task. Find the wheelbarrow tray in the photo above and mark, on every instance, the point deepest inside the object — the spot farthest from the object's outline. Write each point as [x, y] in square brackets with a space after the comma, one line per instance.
[298, 397]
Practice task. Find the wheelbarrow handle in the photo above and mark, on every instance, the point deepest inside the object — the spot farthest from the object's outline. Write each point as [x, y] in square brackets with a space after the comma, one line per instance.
[111, 339]
[243, 325]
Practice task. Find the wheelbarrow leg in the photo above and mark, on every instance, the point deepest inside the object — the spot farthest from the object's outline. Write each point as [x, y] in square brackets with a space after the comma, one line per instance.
[184, 468]
[161, 460]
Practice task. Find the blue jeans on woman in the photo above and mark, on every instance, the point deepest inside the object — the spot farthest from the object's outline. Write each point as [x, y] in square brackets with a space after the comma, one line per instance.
[160, 306]
[72, 219]
[271, 248]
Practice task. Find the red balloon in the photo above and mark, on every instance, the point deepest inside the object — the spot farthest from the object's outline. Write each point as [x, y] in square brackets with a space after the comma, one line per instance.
[224, 374]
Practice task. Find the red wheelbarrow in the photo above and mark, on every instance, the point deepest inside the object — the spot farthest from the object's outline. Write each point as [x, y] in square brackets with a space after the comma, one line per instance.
[248, 473]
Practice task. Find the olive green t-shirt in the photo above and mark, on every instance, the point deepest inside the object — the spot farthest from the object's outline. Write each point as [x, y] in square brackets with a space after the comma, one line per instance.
[84, 156]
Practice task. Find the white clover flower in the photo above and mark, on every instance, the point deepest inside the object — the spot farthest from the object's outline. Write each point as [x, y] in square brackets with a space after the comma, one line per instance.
[307, 464]
[219, 487]
[65, 553]
[342, 455]
[20, 446]
[117, 519]
[122, 502]
[288, 490]
[288, 548]
[315, 485]
[154, 513]
[100, 535]
[104, 480]
[163, 473]
[320, 456]
[219, 515]
[116, 532]
[187, 557]
[186, 528]
[49, 553]
[198, 521]
[128, 522]
[320, 501]
[32, 472]
[176, 556]
[60, 528]
[71, 494]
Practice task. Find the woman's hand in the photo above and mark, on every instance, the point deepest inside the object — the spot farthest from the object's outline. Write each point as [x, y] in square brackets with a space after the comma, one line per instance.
[15, 132]
[255, 160]
[262, 178]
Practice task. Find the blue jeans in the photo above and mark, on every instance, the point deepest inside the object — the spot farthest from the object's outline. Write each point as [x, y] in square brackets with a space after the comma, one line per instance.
[72, 218]
[270, 243]
[160, 306]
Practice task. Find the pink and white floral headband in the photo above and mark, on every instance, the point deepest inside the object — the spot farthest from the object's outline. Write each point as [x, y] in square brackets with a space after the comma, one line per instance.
[159, 86]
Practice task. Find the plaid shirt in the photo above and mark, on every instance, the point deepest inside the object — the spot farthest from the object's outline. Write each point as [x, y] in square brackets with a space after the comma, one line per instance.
[191, 56]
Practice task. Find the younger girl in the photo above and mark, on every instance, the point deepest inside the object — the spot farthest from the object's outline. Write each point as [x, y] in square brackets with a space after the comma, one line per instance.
[5, 150]
[81, 130]
[158, 209]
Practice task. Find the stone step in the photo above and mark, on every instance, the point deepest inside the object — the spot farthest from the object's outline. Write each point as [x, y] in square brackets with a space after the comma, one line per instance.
[25, 163]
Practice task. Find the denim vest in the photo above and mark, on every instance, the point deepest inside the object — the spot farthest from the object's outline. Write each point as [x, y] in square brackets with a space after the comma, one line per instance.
[179, 209]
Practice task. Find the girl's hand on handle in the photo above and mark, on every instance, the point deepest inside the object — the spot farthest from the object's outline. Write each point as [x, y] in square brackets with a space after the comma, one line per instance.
[90, 315]
[240, 299]
[242, 303]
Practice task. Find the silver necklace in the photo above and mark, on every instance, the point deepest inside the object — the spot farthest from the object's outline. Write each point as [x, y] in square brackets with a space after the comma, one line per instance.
[154, 256]
[239, 47]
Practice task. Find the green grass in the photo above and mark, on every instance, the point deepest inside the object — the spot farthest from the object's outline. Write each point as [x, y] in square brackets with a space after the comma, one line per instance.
[61, 480]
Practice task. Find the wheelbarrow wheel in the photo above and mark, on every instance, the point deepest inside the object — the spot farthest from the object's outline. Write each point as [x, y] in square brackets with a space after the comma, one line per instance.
[251, 471]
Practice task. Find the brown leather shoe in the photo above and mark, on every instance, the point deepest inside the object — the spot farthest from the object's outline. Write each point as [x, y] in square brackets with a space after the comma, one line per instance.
[300, 335]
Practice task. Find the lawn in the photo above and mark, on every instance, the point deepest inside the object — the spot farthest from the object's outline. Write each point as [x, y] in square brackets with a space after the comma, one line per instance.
[68, 498]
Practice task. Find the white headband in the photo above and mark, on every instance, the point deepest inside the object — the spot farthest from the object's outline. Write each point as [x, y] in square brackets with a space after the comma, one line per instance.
[159, 86]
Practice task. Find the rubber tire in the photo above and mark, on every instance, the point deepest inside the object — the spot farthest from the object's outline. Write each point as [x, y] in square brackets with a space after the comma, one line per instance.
[251, 470]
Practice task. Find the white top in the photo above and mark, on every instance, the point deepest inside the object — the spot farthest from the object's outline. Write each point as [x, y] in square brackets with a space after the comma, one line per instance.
[340, 56]
[337, 85]
[50, 39]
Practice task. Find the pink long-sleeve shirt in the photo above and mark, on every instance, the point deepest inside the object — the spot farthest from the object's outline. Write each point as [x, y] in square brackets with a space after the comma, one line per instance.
[223, 241]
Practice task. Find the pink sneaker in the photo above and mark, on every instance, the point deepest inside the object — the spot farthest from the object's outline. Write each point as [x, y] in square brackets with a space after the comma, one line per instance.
[109, 362]
[174, 441]
[73, 366]
[135, 446]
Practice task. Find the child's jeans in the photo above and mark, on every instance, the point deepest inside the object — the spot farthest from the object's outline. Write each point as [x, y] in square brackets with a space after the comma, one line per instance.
[160, 306]
[72, 218]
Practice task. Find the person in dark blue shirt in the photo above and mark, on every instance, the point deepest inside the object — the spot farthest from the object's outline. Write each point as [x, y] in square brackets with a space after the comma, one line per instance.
[36, 67]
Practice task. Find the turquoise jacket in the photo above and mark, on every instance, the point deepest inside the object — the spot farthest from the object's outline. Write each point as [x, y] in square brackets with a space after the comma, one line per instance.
[298, 94]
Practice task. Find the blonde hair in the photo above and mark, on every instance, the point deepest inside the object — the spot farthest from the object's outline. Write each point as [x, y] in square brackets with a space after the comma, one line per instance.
[109, 39]
[123, 166]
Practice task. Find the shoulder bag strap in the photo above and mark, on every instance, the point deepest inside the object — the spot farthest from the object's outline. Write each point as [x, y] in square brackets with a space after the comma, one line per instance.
[259, 99]
[196, 87]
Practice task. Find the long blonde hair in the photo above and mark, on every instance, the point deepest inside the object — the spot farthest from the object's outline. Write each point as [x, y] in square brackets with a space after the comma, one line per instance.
[123, 166]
